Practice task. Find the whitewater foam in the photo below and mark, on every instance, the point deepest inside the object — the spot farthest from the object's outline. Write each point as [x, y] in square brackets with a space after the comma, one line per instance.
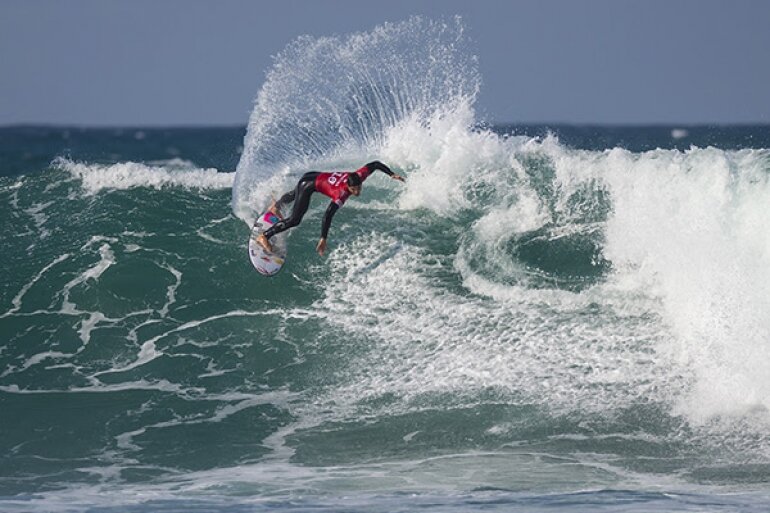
[127, 175]
[683, 230]
[436, 343]
[693, 225]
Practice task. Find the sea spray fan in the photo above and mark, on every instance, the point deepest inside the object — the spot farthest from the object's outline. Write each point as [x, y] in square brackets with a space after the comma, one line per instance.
[329, 97]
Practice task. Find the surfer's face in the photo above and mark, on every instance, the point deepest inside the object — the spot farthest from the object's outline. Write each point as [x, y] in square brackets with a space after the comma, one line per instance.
[355, 190]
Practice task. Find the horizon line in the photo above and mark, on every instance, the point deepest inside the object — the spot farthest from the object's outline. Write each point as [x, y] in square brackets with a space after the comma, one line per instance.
[201, 126]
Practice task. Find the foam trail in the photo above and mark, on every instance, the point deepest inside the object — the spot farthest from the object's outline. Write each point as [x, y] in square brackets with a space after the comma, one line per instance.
[16, 301]
[107, 259]
[171, 290]
[37, 213]
[148, 351]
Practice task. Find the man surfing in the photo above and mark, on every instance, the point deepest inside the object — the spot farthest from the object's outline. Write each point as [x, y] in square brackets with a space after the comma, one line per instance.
[337, 186]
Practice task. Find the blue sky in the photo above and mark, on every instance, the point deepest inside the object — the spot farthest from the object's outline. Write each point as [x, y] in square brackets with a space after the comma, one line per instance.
[195, 62]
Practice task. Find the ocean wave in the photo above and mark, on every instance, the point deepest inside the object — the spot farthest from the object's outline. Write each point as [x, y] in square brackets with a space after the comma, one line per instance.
[685, 229]
[156, 175]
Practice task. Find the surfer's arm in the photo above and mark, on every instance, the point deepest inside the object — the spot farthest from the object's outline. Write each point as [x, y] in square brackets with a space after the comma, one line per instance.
[379, 166]
[327, 221]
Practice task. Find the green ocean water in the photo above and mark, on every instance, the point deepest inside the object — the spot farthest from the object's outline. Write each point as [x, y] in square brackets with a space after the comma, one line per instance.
[142, 355]
[541, 318]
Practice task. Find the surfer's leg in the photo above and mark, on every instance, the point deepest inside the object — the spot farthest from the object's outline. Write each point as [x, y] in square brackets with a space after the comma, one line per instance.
[305, 188]
[287, 198]
[292, 194]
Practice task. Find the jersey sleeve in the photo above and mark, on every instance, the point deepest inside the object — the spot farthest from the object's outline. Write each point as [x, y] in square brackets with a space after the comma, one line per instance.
[371, 167]
[364, 172]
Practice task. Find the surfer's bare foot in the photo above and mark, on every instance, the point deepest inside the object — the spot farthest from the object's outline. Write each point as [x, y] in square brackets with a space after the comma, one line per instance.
[262, 241]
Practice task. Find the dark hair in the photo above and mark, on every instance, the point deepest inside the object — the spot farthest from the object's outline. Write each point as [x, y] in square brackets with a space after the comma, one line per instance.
[354, 179]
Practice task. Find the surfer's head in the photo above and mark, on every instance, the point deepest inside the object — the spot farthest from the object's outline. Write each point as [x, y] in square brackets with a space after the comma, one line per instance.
[354, 184]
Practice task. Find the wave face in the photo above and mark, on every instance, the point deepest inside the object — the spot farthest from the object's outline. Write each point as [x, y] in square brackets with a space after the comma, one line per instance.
[544, 321]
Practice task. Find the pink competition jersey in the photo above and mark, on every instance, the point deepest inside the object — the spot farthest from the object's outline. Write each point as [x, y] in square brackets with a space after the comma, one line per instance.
[334, 185]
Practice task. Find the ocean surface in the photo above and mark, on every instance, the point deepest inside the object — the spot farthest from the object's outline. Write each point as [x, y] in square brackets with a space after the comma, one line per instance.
[542, 318]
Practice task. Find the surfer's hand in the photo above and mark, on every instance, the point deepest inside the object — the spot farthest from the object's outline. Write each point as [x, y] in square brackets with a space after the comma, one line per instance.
[321, 247]
[398, 177]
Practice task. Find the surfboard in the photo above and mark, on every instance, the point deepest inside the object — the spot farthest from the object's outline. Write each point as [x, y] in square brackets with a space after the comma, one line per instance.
[267, 262]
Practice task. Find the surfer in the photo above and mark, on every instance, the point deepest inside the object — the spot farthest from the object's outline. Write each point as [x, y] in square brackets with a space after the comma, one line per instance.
[337, 186]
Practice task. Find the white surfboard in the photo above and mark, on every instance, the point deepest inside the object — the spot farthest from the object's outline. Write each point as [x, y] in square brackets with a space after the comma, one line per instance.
[267, 262]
